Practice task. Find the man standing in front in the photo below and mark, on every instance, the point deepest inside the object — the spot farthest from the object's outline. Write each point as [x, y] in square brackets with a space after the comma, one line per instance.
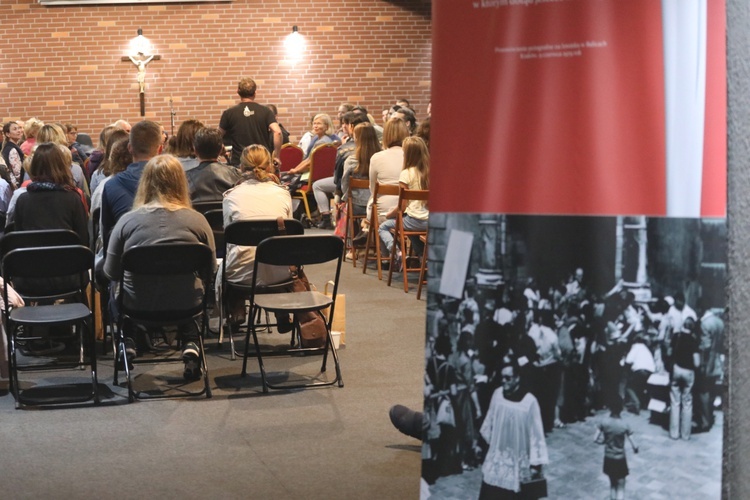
[249, 123]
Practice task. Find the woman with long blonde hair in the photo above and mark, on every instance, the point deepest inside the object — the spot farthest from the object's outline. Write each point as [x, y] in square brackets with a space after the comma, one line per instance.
[161, 214]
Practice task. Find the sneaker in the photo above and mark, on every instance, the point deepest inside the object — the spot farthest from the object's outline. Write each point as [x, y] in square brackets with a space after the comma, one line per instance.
[325, 222]
[130, 354]
[284, 324]
[360, 240]
[191, 358]
[42, 347]
[407, 421]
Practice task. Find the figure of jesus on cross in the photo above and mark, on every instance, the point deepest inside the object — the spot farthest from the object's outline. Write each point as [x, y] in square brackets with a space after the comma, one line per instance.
[141, 63]
[140, 55]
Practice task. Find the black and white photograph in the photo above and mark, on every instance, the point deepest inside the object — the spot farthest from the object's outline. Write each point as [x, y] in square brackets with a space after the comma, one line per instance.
[573, 357]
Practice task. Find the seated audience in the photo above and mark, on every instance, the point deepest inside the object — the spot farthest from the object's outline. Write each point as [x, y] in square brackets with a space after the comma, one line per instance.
[12, 154]
[415, 175]
[104, 170]
[322, 134]
[30, 130]
[357, 166]
[161, 214]
[386, 165]
[181, 144]
[51, 200]
[55, 133]
[119, 192]
[210, 179]
[258, 196]
[98, 154]
[76, 150]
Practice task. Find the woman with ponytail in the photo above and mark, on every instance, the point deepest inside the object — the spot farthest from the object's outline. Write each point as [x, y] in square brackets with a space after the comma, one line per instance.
[258, 195]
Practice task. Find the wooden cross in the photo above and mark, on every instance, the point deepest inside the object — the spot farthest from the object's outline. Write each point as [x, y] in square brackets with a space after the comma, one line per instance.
[141, 60]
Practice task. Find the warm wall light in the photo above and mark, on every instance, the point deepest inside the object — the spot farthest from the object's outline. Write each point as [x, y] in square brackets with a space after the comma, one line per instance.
[294, 44]
[140, 45]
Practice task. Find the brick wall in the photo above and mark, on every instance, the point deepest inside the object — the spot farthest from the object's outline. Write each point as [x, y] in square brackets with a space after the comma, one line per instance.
[64, 63]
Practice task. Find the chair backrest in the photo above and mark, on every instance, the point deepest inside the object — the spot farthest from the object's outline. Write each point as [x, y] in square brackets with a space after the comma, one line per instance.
[290, 156]
[359, 183]
[48, 272]
[386, 190]
[49, 261]
[299, 250]
[204, 206]
[94, 227]
[167, 260]
[84, 139]
[406, 195]
[251, 232]
[38, 238]
[215, 219]
[322, 162]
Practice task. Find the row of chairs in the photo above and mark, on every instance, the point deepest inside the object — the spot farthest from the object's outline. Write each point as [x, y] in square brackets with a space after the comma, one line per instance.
[401, 236]
[41, 255]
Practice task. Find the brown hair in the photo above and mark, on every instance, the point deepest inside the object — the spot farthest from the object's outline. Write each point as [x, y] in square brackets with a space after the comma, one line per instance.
[163, 182]
[255, 161]
[394, 132]
[183, 140]
[366, 140]
[119, 156]
[246, 88]
[145, 138]
[116, 135]
[51, 163]
[417, 155]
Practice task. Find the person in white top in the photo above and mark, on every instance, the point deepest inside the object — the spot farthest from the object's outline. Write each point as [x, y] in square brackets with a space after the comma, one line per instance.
[259, 196]
[386, 166]
[414, 175]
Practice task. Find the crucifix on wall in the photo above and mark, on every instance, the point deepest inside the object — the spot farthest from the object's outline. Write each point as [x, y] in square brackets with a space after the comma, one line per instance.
[140, 55]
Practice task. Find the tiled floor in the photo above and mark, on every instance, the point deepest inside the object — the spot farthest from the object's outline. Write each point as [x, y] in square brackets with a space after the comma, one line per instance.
[663, 468]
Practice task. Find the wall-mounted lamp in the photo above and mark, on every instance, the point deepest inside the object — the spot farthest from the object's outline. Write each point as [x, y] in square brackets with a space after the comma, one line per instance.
[294, 44]
[140, 45]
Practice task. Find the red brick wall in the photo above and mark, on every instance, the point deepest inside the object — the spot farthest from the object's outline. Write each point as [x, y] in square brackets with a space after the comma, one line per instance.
[63, 63]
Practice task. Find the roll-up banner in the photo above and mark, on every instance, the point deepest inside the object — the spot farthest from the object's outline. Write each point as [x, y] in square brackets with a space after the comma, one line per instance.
[577, 250]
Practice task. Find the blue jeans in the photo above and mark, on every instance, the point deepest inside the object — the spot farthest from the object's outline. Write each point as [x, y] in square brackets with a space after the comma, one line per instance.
[410, 224]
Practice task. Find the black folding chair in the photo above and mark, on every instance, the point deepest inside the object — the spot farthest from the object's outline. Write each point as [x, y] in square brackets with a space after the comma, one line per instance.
[297, 251]
[45, 275]
[161, 263]
[215, 219]
[39, 238]
[250, 233]
[205, 206]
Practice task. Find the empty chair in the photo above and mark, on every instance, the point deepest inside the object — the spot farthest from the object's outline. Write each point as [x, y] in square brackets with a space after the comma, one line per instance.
[297, 251]
[44, 276]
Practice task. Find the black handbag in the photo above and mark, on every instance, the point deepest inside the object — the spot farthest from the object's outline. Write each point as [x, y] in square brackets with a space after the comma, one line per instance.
[534, 488]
